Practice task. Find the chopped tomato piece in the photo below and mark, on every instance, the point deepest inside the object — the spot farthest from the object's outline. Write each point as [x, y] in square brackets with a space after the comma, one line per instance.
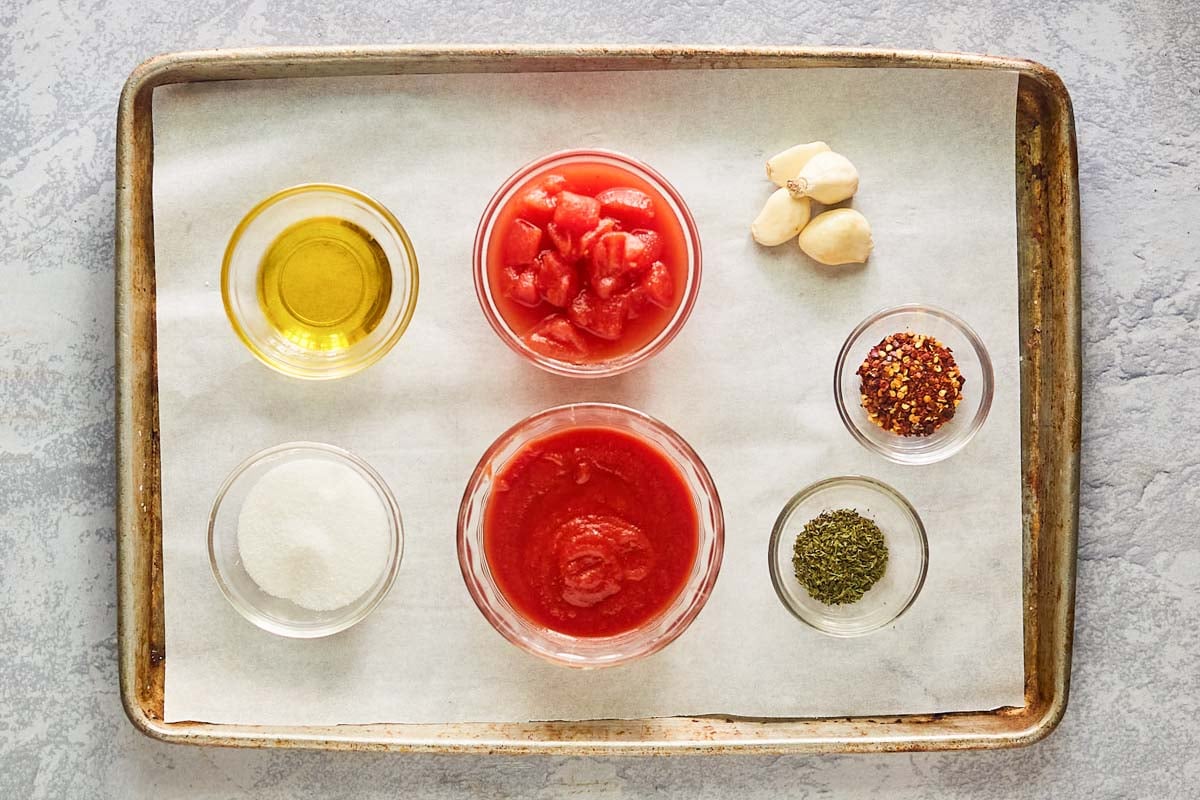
[617, 259]
[653, 242]
[557, 280]
[564, 241]
[537, 204]
[521, 286]
[631, 205]
[658, 286]
[636, 301]
[589, 239]
[576, 213]
[556, 337]
[601, 317]
[553, 184]
[522, 244]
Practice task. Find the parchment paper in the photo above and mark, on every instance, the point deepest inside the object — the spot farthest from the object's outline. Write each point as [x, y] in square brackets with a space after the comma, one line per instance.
[748, 383]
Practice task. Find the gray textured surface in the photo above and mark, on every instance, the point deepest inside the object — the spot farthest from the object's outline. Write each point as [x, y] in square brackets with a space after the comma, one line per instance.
[1133, 726]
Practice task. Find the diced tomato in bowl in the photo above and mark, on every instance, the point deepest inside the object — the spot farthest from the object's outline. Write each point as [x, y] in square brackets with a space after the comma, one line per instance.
[539, 199]
[576, 213]
[602, 317]
[616, 263]
[557, 337]
[628, 205]
[521, 286]
[558, 280]
[523, 243]
[587, 263]
[657, 284]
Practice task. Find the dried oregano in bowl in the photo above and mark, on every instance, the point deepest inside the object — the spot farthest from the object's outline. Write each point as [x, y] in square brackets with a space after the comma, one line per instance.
[839, 556]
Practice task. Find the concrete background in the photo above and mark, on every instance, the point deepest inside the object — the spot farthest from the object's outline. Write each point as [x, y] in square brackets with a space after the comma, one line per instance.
[1133, 726]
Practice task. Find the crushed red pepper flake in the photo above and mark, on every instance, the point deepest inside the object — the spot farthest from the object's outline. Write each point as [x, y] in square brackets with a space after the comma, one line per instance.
[911, 384]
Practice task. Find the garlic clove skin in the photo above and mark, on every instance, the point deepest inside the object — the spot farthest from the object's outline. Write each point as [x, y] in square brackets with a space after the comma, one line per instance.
[781, 218]
[782, 167]
[840, 236]
[827, 178]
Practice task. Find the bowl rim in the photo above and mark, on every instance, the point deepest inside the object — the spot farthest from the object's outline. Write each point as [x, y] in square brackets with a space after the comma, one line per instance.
[710, 567]
[395, 527]
[874, 484]
[944, 451]
[385, 345]
[622, 363]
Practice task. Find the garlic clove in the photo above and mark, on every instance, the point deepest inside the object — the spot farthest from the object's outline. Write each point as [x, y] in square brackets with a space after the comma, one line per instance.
[782, 167]
[781, 218]
[826, 177]
[840, 236]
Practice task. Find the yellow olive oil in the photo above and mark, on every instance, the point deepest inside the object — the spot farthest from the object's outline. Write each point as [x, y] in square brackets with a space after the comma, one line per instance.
[324, 283]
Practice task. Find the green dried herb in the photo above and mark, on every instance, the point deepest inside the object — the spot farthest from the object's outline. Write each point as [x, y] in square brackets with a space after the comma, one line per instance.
[839, 556]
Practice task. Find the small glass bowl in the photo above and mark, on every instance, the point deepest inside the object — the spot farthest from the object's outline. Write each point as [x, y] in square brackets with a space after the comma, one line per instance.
[619, 364]
[908, 555]
[274, 614]
[973, 362]
[254, 236]
[599, 651]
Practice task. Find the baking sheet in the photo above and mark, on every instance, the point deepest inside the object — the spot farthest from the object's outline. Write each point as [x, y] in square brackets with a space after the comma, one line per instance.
[748, 383]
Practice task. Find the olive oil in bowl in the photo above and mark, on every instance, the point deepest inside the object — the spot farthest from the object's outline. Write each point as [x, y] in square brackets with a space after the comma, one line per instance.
[324, 283]
[319, 281]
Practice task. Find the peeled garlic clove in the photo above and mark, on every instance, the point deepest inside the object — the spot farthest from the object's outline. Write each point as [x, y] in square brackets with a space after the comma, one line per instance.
[781, 218]
[782, 167]
[827, 178]
[840, 236]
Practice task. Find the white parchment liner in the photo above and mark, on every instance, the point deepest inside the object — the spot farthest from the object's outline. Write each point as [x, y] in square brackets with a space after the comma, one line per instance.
[748, 382]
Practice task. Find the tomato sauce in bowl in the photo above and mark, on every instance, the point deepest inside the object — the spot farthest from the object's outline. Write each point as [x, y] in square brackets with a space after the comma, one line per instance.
[590, 535]
[590, 531]
[587, 263]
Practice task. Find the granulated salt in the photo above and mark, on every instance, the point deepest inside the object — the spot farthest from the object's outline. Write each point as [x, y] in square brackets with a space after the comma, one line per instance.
[313, 532]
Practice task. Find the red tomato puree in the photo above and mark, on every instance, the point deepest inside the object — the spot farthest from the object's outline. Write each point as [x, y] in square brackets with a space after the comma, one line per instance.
[587, 262]
[590, 531]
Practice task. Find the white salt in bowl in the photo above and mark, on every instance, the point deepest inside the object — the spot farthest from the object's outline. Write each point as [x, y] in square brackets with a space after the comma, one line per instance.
[274, 614]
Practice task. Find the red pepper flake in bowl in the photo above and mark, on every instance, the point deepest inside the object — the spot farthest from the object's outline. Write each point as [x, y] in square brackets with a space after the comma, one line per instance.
[911, 384]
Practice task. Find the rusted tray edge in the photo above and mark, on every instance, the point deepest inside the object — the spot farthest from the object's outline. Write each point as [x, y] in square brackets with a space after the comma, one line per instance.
[1055, 415]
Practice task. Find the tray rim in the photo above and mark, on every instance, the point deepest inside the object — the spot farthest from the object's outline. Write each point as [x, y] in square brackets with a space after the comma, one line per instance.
[139, 524]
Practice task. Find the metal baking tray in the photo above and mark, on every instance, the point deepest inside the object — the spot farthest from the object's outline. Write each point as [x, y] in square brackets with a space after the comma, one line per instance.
[1047, 194]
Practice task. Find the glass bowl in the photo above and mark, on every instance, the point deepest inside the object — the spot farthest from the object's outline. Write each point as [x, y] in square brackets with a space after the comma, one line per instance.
[598, 651]
[249, 244]
[274, 614]
[973, 362]
[621, 363]
[908, 555]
